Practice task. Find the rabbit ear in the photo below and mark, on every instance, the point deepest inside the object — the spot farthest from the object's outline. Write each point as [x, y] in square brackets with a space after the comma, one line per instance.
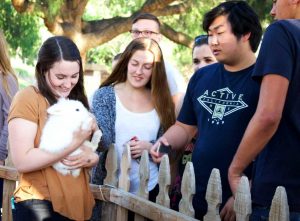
[55, 110]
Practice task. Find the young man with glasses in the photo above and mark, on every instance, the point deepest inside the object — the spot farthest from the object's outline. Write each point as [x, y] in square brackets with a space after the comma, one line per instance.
[220, 100]
[148, 25]
[274, 130]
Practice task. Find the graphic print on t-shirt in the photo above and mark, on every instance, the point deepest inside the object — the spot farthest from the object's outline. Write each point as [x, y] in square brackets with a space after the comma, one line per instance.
[221, 103]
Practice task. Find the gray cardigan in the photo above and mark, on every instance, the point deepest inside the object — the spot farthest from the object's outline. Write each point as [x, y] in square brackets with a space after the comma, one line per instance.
[5, 102]
[104, 109]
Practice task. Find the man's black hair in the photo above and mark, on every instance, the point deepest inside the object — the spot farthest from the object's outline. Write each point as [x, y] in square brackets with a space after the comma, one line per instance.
[242, 18]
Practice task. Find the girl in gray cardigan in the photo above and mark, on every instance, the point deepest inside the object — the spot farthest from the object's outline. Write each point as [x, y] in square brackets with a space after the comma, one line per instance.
[134, 105]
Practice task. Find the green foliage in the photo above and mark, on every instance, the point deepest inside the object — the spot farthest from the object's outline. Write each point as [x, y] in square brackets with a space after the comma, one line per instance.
[100, 55]
[105, 53]
[110, 8]
[262, 8]
[21, 32]
[122, 8]
[189, 23]
[52, 6]
[107, 9]
[24, 77]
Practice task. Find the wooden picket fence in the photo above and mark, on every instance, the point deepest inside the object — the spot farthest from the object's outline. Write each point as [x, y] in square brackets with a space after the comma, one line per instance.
[116, 200]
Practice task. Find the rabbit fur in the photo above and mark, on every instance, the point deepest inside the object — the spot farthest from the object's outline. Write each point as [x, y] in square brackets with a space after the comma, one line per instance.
[64, 118]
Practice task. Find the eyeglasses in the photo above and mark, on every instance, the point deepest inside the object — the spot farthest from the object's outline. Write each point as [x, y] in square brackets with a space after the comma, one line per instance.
[196, 61]
[201, 39]
[137, 33]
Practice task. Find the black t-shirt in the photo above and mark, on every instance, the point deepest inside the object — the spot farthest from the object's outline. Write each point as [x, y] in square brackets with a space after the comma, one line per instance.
[220, 103]
[279, 162]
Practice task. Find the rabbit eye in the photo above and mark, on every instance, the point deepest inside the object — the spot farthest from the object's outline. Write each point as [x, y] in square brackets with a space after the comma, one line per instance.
[77, 109]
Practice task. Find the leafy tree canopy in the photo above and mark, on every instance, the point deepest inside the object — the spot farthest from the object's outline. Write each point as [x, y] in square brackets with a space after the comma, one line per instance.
[100, 28]
[21, 31]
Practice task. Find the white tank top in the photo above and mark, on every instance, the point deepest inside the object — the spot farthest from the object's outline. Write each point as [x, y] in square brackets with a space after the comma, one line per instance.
[144, 126]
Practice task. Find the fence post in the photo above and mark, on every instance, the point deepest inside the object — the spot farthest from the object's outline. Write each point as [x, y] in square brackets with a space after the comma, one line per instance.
[279, 209]
[8, 189]
[109, 210]
[144, 172]
[242, 202]
[124, 180]
[164, 181]
[188, 190]
[213, 196]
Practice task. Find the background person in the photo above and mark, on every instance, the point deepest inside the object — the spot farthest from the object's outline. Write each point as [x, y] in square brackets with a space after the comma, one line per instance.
[148, 25]
[42, 192]
[202, 54]
[220, 100]
[134, 105]
[8, 88]
[274, 130]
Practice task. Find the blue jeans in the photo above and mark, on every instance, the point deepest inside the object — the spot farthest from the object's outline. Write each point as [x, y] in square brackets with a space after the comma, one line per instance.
[260, 213]
[36, 210]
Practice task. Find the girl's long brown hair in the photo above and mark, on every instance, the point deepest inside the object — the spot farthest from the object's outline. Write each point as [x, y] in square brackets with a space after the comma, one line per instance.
[5, 65]
[55, 49]
[158, 84]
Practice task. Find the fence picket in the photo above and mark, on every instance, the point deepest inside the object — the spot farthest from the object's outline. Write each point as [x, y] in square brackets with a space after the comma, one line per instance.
[188, 190]
[279, 209]
[242, 202]
[144, 172]
[8, 190]
[111, 166]
[124, 180]
[164, 181]
[213, 196]
[109, 210]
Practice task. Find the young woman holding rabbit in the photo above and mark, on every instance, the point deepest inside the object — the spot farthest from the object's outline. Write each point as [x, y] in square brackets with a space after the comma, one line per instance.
[43, 193]
[134, 105]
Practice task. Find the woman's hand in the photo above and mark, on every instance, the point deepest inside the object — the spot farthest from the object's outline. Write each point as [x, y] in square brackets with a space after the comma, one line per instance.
[87, 158]
[79, 136]
[137, 147]
[82, 134]
[94, 125]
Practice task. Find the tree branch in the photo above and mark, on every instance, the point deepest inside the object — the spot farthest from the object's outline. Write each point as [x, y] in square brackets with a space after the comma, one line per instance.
[89, 34]
[175, 36]
[153, 5]
[173, 9]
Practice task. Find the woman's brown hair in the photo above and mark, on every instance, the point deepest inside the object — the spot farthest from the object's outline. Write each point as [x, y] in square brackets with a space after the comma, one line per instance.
[55, 49]
[158, 84]
[5, 65]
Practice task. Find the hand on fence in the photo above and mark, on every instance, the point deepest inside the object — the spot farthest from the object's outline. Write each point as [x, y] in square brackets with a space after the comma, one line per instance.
[137, 147]
[234, 178]
[87, 158]
[227, 213]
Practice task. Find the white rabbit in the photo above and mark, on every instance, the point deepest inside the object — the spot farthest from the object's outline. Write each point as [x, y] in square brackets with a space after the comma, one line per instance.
[65, 117]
